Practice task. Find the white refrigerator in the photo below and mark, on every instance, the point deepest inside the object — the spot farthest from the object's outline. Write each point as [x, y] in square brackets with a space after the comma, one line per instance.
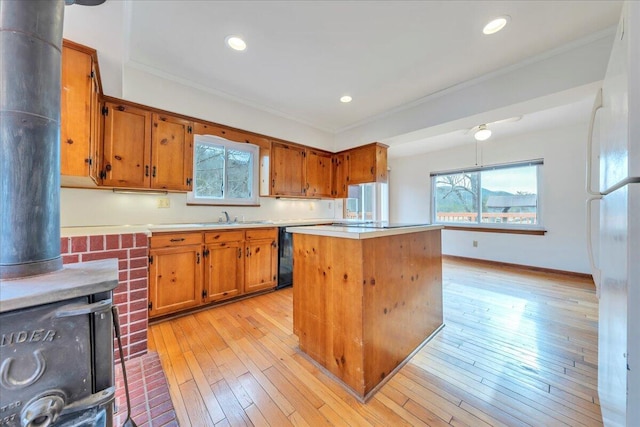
[617, 270]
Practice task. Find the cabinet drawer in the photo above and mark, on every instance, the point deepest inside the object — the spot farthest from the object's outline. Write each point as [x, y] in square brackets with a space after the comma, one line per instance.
[261, 233]
[223, 236]
[175, 239]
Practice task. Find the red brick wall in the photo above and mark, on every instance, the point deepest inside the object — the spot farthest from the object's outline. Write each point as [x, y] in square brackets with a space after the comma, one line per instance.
[132, 251]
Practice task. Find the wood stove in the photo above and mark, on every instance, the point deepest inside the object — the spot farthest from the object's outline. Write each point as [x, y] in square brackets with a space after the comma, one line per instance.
[56, 347]
[56, 341]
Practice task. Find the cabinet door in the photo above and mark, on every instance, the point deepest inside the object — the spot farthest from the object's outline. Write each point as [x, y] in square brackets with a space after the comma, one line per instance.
[318, 173]
[368, 164]
[224, 270]
[76, 112]
[340, 177]
[261, 262]
[175, 278]
[95, 161]
[287, 172]
[127, 146]
[362, 163]
[172, 153]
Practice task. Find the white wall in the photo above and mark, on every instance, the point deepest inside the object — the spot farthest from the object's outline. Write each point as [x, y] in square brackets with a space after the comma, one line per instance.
[563, 247]
[155, 91]
[84, 207]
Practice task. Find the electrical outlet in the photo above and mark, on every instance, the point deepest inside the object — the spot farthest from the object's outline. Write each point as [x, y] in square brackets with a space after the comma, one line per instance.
[164, 202]
[475, 243]
[330, 205]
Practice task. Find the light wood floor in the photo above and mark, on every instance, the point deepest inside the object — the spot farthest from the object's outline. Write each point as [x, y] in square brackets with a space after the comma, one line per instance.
[519, 348]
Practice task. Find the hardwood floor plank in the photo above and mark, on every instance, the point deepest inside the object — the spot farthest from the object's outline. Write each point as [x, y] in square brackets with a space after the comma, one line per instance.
[196, 409]
[211, 403]
[256, 416]
[519, 349]
[174, 388]
[262, 401]
[400, 410]
[234, 412]
[304, 408]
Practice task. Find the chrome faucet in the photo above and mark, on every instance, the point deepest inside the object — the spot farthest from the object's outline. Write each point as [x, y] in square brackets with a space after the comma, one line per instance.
[226, 216]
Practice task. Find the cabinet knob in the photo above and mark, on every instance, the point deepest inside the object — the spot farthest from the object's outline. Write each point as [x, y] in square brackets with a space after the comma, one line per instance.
[69, 141]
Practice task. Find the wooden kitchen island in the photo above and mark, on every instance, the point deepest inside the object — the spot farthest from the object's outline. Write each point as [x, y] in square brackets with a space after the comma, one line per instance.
[365, 299]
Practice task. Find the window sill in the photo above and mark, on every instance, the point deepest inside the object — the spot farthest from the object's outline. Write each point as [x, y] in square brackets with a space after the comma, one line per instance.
[529, 231]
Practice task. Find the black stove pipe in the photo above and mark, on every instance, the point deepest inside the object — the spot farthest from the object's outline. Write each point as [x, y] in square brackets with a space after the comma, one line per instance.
[30, 75]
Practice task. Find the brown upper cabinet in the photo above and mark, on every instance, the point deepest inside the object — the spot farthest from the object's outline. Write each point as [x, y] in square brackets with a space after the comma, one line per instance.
[297, 171]
[146, 150]
[367, 164]
[117, 143]
[127, 146]
[171, 153]
[287, 170]
[318, 173]
[339, 176]
[80, 129]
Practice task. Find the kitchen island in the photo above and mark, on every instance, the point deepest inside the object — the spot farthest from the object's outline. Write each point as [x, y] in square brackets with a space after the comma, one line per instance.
[365, 299]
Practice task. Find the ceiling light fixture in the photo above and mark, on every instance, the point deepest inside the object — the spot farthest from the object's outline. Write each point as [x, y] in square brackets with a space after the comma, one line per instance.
[482, 134]
[496, 24]
[345, 99]
[236, 43]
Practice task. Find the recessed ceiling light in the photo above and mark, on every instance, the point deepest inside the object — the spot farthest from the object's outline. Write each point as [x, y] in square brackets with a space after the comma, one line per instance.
[345, 99]
[496, 25]
[482, 134]
[236, 43]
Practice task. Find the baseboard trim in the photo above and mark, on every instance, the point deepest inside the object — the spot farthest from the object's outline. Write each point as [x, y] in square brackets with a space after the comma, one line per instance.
[572, 274]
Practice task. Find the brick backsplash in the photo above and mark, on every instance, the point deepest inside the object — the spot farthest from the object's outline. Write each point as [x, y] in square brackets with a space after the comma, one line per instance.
[132, 252]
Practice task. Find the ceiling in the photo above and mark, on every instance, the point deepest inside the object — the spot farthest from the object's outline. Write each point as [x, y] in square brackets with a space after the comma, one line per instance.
[302, 56]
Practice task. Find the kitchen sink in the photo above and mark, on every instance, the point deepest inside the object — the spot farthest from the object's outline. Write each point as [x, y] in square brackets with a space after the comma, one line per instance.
[215, 224]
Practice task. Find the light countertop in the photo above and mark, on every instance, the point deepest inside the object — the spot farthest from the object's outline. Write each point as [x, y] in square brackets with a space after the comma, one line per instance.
[360, 232]
[149, 229]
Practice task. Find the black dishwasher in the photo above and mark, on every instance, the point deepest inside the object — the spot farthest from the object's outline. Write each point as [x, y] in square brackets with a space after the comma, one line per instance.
[285, 258]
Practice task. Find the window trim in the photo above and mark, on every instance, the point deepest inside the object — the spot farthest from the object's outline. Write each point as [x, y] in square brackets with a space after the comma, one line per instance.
[254, 200]
[534, 229]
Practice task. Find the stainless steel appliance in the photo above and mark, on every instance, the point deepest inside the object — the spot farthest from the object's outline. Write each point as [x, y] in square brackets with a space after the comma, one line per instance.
[617, 272]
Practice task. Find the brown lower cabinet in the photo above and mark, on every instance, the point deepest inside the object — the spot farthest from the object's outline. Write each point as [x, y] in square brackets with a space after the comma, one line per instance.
[191, 269]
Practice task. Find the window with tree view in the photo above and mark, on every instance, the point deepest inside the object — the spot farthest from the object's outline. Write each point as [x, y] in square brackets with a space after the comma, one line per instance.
[225, 172]
[496, 196]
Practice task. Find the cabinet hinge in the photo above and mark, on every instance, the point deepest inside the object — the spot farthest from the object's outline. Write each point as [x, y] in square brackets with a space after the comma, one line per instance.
[88, 161]
[105, 111]
[189, 181]
[304, 153]
[204, 293]
[103, 175]
[189, 129]
[151, 260]
[198, 258]
[150, 305]
[92, 75]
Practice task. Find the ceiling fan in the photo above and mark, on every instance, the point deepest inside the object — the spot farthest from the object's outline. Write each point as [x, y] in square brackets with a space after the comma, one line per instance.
[482, 132]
